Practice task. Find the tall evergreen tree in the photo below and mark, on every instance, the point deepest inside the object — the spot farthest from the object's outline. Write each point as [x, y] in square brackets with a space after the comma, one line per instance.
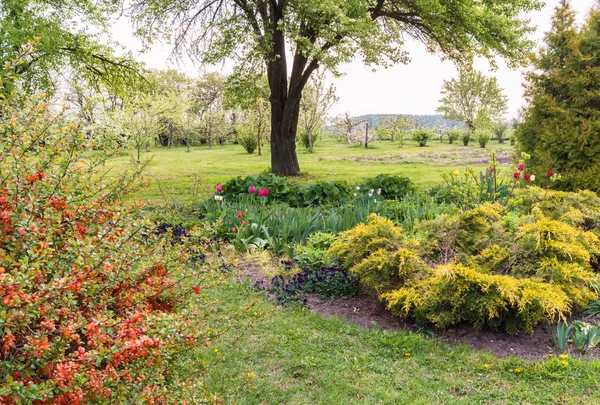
[561, 126]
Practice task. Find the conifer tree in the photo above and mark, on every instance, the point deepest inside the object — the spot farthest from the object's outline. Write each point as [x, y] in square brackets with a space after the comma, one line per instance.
[561, 126]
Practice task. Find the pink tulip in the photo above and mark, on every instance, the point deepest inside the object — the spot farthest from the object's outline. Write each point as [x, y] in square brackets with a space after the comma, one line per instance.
[266, 192]
[219, 188]
[239, 214]
[521, 167]
[233, 229]
[550, 173]
[251, 189]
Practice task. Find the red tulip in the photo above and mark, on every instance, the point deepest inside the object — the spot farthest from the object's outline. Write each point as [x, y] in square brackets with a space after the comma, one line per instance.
[244, 222]
[516, 175]
[550, 173]
[239, 214]
[527, 177]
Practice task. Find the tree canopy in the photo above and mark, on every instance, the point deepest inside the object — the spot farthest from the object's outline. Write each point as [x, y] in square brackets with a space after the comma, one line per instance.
[561, 126]
[473, 98]
[257, 34]
[69, 37]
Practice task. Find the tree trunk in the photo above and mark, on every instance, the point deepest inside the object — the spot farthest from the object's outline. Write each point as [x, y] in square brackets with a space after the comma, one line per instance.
[284, 112]
[284, 124]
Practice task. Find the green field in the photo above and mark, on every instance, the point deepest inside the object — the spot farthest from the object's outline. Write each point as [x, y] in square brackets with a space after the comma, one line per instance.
[187, 176]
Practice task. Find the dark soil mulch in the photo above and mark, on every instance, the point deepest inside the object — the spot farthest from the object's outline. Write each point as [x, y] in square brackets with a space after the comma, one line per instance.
[368, 312]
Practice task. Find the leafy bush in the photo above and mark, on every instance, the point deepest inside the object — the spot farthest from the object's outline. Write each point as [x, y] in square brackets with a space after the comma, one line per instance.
[466, 138]
[454, 134]
[421, 136]
[324, 193]
[93, 309]
[280, 189]
[484, 266]
[306, 142]
[500, 130]
[390, 187]
[247, 138]
[483, 137]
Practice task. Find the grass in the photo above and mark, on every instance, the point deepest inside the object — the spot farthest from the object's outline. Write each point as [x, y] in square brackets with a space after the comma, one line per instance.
[190, 176]
[292, 356]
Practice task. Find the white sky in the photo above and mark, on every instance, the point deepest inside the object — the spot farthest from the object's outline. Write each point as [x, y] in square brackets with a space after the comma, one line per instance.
[408, 89]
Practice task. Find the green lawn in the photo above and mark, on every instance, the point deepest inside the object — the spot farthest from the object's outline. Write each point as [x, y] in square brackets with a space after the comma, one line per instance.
[188, 175]
[292, 356]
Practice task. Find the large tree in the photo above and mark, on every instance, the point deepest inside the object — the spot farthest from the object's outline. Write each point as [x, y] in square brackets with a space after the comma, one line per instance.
[473, 98]
[258, 34]
[69, 37]
[561, 126]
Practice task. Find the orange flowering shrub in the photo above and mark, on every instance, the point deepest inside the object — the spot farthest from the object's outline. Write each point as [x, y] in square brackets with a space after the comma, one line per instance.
[90, 299]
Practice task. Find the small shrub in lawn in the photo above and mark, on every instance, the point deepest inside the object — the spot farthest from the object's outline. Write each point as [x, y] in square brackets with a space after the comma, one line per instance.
[500, 130]
[247, 138]
[453, 135]
[421, 136]
[306, 142]
[466, 137]
[483, 137]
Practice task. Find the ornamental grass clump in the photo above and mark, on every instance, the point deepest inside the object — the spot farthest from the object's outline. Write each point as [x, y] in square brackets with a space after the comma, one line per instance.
[92, 303]
[486, 266]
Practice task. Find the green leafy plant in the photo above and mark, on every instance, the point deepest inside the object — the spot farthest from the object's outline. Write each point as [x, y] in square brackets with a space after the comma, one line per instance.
[308, 142]
[247, 138]
[561, 339]
[421, 136]
[593, 309]
[585, 335]
[500, 130]
[454, 134]
[95, 304]
[389, 187]
[466, 137]
[483, 137]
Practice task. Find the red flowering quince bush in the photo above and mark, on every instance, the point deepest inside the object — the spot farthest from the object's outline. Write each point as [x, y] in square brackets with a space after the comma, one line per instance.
[91, 301]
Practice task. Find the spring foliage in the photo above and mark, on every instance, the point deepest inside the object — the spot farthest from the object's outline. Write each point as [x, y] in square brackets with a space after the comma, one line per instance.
[89, 297]
[561, 127]
[487, 266]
